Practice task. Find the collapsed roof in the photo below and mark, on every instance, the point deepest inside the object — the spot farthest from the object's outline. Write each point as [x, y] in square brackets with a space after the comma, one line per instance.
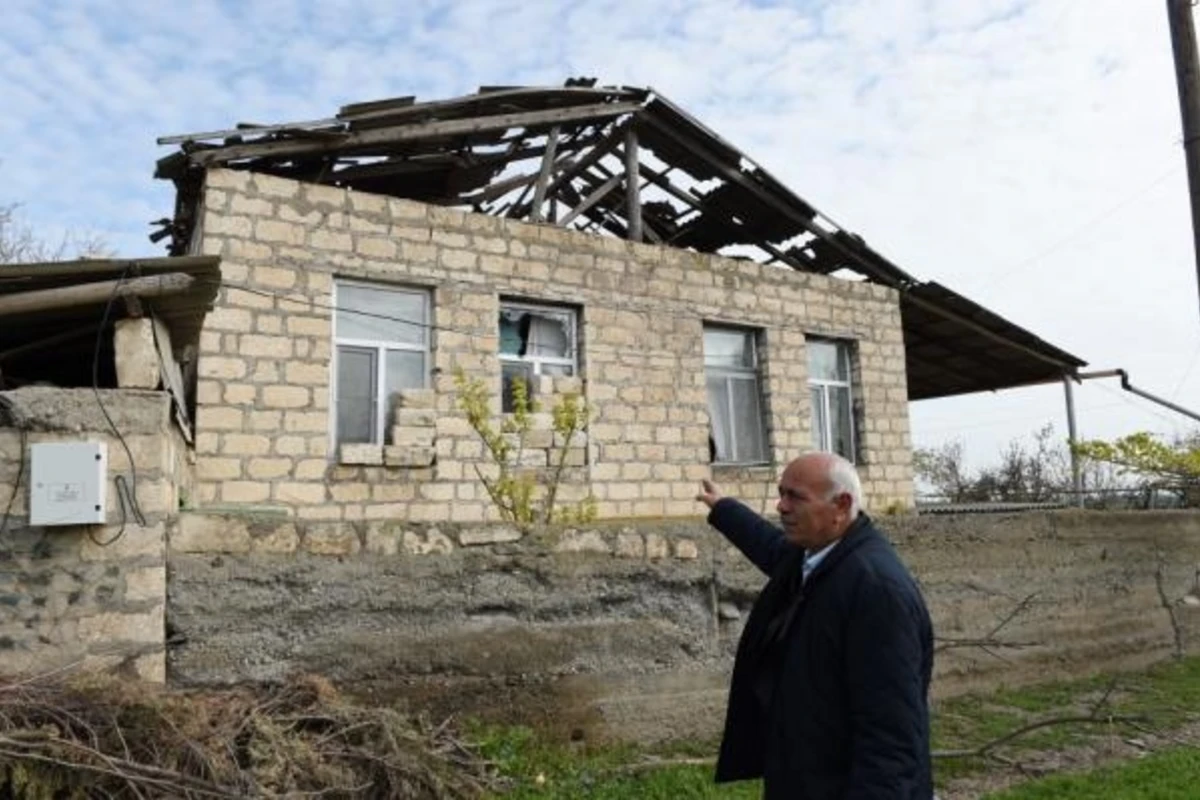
[562, 155]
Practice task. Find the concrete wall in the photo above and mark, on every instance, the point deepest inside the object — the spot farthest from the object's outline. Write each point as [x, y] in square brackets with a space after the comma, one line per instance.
[67, 595]
[629, 629]
[264, 389]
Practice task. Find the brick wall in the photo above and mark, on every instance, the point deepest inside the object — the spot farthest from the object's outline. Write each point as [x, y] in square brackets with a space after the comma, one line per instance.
[264, 390]
[93, 596]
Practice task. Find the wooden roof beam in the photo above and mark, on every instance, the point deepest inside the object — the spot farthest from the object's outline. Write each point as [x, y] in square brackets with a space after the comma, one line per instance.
[93, 293]
[413, 132]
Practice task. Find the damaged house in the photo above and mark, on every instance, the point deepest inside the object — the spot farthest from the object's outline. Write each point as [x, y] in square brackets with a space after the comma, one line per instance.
[328, 279]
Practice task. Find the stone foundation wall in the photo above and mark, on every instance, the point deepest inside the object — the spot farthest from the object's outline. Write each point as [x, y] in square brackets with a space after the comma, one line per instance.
[89, 595]
[264, 397]
[628, 630]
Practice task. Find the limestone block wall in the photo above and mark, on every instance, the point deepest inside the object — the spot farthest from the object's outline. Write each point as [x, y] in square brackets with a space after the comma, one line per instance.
[89, 595]
[628, 629]
[263, 419]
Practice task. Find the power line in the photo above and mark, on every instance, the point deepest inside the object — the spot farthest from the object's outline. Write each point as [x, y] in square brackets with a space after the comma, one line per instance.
[1075, 232]
[1137, 407]
[996, 423]
[1187, 373]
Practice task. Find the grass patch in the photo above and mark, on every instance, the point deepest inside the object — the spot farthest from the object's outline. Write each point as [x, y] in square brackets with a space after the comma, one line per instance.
[1168, 775]
[1167, 695]
[542, 770]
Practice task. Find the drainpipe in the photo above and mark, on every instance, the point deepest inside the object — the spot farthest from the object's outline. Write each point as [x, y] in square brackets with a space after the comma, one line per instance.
[1127, 386]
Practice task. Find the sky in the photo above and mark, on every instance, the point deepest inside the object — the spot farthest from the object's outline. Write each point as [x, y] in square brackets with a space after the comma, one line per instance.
[1026, 154]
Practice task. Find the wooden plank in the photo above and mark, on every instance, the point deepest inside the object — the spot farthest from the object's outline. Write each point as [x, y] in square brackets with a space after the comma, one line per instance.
[229, 132]
[90, 293]
[592, 199]
[499, 188]
[633, 201]
[172, 376]
[106, 266]
[494, 98]
[407, 133]
[543, 178]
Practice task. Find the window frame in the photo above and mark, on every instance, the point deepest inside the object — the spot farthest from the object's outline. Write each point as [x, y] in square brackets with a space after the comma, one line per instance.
[752, 375]
[380, 349]
[536, 363]
[845, 354]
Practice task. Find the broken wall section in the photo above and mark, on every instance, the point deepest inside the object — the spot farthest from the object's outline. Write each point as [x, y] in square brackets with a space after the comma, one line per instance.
[89, 595]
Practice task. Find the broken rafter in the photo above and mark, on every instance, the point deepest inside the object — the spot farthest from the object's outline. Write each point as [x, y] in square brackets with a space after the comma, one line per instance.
[411, 132]
[570, 171]
[660, 180]
[518, 208]
[592, 199]
[543, 178]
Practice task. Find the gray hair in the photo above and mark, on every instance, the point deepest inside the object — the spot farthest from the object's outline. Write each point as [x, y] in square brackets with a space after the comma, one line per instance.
[843, 479]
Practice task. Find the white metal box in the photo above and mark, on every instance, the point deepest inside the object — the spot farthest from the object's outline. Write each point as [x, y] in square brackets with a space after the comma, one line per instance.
[67, 483]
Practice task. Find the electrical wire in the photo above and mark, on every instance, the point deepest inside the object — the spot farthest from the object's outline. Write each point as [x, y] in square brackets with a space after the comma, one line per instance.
[1008, 272]
[1187, 373]
[648, 311]
[126, 494]
[1129, 402]
[16, 420]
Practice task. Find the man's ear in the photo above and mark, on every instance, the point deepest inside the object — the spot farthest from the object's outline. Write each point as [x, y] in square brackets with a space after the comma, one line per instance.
[843, 501]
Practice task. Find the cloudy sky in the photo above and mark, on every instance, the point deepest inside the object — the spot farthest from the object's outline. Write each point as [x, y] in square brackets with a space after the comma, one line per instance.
[1026, 154]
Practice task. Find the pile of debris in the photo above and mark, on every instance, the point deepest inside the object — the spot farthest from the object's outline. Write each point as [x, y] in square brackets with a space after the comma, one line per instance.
[97, 737]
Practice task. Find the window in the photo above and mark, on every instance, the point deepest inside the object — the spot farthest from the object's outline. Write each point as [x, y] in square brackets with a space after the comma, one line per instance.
[734, 396]
[832, 403]
[381, 345]
[534, 340]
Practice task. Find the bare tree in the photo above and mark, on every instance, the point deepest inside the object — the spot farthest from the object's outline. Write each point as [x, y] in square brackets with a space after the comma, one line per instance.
[19, 244]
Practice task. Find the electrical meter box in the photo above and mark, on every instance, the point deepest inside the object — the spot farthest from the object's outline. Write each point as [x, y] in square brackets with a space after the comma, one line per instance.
[67, 483]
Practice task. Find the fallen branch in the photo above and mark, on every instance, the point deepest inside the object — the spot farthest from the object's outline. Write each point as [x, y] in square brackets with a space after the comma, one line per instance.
[985, 750]
[988, 643]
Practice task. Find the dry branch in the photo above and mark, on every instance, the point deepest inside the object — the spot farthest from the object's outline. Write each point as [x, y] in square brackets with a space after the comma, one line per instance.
[95, 737]
[988, 642]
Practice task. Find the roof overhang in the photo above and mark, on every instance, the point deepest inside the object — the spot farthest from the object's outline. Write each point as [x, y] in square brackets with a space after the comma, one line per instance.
[74, 297]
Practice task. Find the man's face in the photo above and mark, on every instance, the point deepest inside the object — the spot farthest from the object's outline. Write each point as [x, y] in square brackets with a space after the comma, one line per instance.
[809, 519]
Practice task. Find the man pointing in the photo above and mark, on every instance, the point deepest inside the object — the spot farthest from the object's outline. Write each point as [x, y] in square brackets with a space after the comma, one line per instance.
[830, 684]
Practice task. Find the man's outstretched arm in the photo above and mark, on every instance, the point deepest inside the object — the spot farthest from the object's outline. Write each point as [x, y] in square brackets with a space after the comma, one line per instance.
[759, 540]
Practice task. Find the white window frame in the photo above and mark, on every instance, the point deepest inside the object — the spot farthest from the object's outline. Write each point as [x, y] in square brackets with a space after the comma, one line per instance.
[538, 362]
[750, 374]
[823, 440]
[381, 348]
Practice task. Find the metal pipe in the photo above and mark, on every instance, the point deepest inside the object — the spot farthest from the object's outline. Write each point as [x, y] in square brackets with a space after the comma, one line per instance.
[1127, 386]
[1072, 439]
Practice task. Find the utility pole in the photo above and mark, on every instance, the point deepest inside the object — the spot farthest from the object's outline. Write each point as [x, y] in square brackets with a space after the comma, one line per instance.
[1187, 76]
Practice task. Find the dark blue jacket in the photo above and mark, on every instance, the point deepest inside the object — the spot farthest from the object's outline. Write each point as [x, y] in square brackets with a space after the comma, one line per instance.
[829, 698]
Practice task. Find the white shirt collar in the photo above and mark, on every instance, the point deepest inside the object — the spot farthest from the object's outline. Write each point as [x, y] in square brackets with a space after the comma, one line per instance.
[811, 559]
